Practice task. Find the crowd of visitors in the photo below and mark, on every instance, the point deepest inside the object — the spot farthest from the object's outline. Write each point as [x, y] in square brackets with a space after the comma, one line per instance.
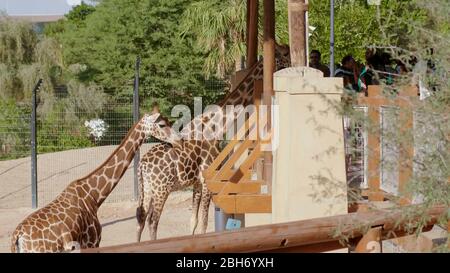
[378, 67]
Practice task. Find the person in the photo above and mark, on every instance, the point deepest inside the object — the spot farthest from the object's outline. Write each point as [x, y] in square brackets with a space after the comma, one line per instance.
[347, 70]
[368, 76]
[315, 62]
[400, 68]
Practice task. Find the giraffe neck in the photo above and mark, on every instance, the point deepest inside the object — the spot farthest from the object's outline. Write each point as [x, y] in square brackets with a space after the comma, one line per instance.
[100, 183]
[241, 95]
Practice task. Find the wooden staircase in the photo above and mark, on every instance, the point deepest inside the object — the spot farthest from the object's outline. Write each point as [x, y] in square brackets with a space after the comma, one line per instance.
[230, 175]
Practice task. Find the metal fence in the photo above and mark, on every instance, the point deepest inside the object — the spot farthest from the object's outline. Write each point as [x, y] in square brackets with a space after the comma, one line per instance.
[66, 151]
[70, 144]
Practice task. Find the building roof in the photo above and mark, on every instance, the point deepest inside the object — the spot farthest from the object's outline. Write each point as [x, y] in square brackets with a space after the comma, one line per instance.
[37, 10]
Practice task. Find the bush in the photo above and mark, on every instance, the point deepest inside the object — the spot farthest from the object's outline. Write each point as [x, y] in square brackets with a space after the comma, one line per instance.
[14, 130]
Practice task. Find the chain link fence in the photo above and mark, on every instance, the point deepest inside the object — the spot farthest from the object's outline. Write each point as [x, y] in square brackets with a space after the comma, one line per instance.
[71, 142]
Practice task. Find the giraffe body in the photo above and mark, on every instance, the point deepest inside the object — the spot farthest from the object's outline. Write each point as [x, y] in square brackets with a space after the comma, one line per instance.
[167, 168]
[70, 221]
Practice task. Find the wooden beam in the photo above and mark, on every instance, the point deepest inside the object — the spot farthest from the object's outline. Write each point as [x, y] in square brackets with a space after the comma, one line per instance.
[269, 69]
[227, 171]
[312, 248]
[243, 172]
[212, 169]
[374, 159]
[252, 32]
[275, 237]
[245, 203]
[248, 187]
[269, 49]
[297, 31]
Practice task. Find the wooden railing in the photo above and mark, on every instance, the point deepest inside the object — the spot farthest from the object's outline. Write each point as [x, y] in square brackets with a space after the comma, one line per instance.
[313, 235]
[231, 175]
[374, 100]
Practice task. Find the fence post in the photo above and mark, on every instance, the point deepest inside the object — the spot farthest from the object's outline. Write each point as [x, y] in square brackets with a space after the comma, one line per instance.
[136, 119]
[332, 38]
[34, 194]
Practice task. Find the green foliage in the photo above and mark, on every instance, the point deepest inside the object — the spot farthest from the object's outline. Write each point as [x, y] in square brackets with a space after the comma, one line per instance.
[219, 29]
[24, 58]
[14, 130]
[60, 129]
[79, 14]
[73, 20]
[111, 38]
[357, 25]
[420, 39]
[17, 42]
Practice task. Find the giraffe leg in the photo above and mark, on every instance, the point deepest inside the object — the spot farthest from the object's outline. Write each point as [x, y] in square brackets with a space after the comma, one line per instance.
[157, 207]
[142, 211]
[196, 197]
[204, 208]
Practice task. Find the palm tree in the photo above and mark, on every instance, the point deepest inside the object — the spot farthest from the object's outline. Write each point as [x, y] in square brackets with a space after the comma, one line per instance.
[219, 30]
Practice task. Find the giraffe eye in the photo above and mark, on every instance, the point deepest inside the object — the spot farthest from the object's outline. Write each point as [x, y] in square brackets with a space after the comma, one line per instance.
[162, 125]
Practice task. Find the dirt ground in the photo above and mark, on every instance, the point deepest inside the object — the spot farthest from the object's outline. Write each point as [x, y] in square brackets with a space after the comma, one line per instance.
[117, 214]
[119, 222]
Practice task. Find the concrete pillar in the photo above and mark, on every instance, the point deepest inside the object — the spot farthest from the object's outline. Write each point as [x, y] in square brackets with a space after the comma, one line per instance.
[309, 178]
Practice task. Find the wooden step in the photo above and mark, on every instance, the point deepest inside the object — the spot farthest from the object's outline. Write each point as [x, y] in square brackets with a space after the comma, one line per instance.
[240, 204]
[223, 187]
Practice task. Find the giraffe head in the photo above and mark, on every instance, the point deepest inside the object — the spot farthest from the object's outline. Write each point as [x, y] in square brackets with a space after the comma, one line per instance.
[282, 57]
[159, 127]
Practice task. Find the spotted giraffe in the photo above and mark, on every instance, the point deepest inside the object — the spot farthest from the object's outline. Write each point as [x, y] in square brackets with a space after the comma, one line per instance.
[172, 166]
[70, 220]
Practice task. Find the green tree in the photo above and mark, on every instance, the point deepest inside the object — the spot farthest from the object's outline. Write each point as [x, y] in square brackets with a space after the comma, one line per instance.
[25, 57]
[106, 46]
[421, 41]
[74, 19]
[219, 30]
[357, 25]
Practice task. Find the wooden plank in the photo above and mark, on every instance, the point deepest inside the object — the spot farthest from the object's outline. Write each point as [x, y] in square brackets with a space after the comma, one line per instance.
[269, 69]
[239, 188]
[312, 248]
[374, 91]
[406, 152]
[226, 171]
[211, 171]
[274, 236]
[245, 169]
[237, 204]
[374, 154]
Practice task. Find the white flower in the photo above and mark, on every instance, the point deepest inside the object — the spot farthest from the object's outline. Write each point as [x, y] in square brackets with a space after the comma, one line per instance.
[97, 128]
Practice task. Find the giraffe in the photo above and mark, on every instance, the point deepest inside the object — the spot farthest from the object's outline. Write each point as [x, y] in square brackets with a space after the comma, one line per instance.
[70, 220]
[179, 164]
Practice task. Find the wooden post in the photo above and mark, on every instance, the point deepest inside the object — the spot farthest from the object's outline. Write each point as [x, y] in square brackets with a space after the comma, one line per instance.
[252, 32]
[374, 100]
[374, 159]
[269, 69]
[297, 31]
